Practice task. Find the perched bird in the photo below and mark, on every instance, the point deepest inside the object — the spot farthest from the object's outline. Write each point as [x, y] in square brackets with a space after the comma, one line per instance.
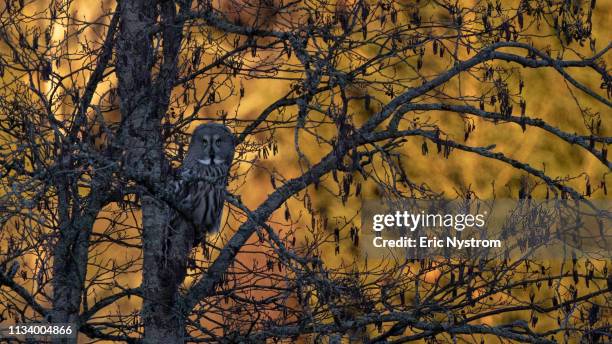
[203, 178]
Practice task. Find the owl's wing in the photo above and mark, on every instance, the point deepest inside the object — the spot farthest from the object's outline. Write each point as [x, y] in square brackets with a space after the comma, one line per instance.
[186, 198]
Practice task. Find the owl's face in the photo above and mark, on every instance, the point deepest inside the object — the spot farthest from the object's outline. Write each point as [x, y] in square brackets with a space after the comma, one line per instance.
[211, 144]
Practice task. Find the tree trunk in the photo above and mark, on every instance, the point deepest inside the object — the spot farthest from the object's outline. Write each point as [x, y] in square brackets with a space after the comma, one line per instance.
[70, 254]
[143, 105]
[69, 270]
[163, 321]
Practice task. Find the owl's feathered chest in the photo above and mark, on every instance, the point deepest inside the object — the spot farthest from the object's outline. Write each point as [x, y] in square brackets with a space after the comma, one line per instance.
[201, 189]
[201, 179]
[216, 175]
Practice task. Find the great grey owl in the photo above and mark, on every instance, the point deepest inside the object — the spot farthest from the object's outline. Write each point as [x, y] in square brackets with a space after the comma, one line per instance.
[203, 176]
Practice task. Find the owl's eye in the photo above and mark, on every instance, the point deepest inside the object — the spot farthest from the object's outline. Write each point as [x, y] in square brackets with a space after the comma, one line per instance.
[217, 142]
[205, 142]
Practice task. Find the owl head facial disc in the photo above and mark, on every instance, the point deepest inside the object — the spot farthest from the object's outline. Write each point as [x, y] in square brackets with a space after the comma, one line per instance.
[212, 144]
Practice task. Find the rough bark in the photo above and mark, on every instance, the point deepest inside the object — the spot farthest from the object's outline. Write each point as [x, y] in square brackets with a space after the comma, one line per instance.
[70, 255]
[163, 323]
[70, 266]
[144, 101]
